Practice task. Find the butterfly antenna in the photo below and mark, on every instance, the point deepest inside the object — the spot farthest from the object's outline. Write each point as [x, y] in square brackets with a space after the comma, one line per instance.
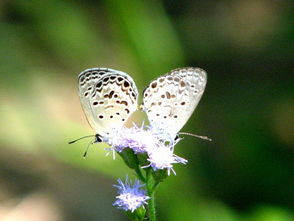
[198, 136]
[86, 151]
[80, 139]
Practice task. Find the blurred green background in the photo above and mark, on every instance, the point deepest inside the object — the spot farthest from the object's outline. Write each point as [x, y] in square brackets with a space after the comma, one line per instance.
[246, 47]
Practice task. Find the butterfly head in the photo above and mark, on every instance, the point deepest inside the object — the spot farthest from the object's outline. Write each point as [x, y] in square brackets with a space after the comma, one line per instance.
[98, 138]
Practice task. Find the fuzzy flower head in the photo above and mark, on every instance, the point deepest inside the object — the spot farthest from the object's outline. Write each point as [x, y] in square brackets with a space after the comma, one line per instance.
[139, 139]
[158, 145]
[131, 196]
[163, 157]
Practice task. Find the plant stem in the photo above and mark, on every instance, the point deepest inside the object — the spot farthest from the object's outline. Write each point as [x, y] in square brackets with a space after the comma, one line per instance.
[151, 194]
[139, 174]
[151, 208]
[155, 186]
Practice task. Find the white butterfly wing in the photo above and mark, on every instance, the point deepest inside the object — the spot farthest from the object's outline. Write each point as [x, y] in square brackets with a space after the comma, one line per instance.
[108, 98]
[170, 100]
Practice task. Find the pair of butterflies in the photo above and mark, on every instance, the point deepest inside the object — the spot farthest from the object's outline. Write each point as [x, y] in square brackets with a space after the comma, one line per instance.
[109, 97]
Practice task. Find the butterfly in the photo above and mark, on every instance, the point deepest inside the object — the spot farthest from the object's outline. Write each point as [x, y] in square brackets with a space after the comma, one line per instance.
[170, 100]
[109, 97]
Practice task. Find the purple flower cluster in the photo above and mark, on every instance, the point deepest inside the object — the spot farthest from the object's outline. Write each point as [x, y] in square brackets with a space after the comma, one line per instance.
[130, 196]
[162, 157]
[158, 145]
[136, 138]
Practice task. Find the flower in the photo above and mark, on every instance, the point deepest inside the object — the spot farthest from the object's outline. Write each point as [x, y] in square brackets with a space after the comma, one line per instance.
[131, 196]
[137, 138]
[158, 145]
[163, 157]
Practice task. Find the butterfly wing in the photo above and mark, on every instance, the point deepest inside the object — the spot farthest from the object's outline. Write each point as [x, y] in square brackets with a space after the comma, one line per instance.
[170, 100]
[108, 98]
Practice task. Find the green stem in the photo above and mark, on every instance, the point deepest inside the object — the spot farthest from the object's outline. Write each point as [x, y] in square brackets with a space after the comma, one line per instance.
[155, 186]
[139, 173]
[151, 194]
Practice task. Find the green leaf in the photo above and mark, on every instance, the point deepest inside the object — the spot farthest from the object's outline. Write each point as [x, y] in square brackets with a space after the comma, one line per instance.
[142, 158]
[137, 215]
[129, 158]
[159, 175]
